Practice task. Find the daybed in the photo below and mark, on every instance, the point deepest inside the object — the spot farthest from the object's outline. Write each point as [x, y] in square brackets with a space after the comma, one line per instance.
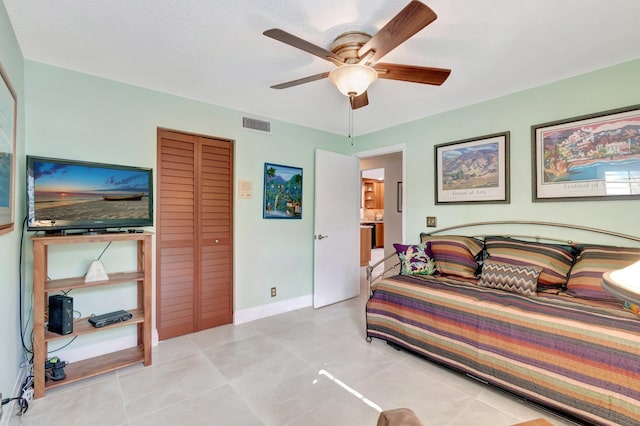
[525, 315]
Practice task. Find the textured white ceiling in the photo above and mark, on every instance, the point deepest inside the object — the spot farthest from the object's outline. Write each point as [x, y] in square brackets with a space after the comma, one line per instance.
[214, 50]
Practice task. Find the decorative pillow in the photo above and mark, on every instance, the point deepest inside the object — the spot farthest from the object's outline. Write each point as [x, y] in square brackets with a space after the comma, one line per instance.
[631, 307]
[454, 255]
[592, 262]
[513, 278]
[415, 259]
[554, 259]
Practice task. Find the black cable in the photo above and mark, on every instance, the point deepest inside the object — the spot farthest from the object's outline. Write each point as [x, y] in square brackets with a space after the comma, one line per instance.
[64, 346]
[22, 325]
[23, 403]
[105, 249]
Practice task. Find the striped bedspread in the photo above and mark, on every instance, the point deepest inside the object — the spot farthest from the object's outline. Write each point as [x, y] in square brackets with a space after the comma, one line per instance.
[580, 359]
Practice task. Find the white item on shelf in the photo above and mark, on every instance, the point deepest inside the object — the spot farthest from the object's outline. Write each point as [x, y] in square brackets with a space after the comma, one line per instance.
[96, 272]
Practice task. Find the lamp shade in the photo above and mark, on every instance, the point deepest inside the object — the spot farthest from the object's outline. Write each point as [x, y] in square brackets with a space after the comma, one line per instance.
[353, 79]
[624, 283]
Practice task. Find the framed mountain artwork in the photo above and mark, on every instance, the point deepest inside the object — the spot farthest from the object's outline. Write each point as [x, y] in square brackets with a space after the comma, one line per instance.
[473, 170]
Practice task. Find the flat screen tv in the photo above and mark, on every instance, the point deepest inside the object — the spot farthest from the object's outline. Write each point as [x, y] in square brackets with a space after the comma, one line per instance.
[70, 194]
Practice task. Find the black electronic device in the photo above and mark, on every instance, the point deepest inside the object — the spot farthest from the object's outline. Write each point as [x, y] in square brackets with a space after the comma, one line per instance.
[109, 318]
[54, 369]
[61, 314]
[69, 194]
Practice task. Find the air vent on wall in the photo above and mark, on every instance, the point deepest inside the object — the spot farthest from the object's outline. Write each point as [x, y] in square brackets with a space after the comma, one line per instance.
[258, 125]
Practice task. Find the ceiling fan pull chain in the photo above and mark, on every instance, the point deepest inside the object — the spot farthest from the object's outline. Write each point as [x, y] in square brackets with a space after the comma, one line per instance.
[351, 121]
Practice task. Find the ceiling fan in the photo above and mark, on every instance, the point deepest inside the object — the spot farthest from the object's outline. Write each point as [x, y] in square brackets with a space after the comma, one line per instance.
[356, 55]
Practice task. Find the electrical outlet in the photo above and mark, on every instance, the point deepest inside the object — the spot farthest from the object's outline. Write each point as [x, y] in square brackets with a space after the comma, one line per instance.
[273, 292]
[431, 222]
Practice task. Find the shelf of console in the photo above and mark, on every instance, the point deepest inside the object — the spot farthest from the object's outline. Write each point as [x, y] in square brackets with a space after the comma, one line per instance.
[100, 365]
[78, 282]
[88, 238]
[83, 326]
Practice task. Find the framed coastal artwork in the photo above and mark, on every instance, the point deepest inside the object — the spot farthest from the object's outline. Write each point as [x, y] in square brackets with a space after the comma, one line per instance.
[473, 170]
[8, 109]
[282, 192]
[591, 157]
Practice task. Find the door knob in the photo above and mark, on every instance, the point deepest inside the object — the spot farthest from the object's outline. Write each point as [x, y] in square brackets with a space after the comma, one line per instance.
[322, 236]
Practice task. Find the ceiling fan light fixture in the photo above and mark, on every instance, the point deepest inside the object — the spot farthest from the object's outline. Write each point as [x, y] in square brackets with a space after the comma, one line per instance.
[353, 79]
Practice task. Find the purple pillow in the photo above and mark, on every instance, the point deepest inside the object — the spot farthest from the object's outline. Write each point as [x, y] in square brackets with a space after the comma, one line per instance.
[415, 259]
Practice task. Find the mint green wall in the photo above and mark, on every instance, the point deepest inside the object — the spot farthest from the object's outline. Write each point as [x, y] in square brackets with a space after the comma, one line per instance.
[11, 349]
[72, 115]
[78, 116]
[605, 89]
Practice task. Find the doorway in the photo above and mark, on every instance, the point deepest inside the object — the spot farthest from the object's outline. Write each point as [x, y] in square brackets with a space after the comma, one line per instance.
[388, 217]
[371, 214]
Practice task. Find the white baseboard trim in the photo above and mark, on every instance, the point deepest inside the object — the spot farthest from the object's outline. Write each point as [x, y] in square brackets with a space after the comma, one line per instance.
[8, 410]
[264, 311]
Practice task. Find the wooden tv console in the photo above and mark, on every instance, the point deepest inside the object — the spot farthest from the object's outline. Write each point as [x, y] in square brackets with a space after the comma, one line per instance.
[42, 286]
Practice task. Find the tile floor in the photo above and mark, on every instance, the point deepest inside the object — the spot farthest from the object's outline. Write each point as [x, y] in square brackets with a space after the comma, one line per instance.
[290, 369]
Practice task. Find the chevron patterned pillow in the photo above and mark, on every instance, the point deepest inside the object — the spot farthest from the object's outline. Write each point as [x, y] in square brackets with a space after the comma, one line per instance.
[555, 259]
[513, 278]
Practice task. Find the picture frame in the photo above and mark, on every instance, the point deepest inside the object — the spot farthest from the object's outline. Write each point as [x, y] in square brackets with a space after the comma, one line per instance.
[473, 170]
[282, 197]
[8, 124]
[399, 196]
[588, 158]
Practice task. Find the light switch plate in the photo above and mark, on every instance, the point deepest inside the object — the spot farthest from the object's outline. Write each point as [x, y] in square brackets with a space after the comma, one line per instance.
[431, 222]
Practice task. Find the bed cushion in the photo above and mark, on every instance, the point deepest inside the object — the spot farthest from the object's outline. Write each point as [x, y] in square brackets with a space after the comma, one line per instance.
[415, 259]
[554, 259]
[577, 357]
[513, 278]
[592, 262]
[454, 255]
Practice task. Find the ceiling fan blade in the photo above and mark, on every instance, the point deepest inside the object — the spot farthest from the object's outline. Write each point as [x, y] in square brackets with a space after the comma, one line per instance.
[414, 17]
[291, 40]
[360, 101]
[424, 75]
[301, 81]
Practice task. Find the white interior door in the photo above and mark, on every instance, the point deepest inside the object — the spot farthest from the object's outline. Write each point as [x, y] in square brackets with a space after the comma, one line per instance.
[336, 264]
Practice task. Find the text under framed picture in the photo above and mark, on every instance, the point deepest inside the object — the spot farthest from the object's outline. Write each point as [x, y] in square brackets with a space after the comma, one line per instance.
[282, 192]
[8, 114]
[473, 170]
[591, 157]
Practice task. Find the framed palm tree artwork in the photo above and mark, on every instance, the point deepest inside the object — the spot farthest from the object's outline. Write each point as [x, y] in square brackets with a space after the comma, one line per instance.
[282, 192]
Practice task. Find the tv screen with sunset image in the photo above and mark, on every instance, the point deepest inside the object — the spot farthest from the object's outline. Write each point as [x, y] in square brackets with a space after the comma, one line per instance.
[65, 194]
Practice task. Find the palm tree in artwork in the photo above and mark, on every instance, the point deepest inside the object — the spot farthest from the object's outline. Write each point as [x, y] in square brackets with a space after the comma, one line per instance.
[271, 172]
[269, 191]
[296, 179]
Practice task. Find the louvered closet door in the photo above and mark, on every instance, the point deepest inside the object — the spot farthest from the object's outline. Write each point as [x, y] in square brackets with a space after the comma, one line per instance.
[216, 220]
[194, 233]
